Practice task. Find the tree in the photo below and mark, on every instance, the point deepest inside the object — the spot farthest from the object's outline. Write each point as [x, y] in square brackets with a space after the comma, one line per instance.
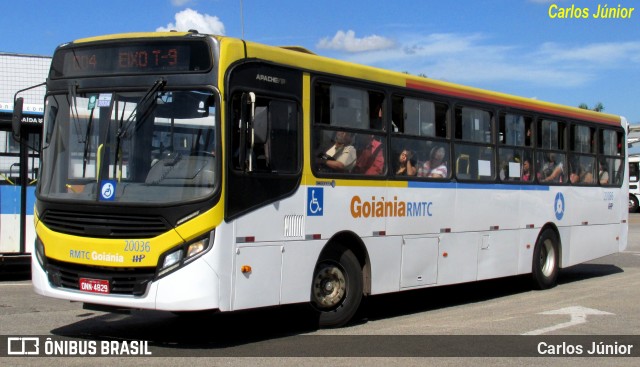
[599, 107]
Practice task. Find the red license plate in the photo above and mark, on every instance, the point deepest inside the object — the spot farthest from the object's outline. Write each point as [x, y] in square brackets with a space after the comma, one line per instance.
[94, 285]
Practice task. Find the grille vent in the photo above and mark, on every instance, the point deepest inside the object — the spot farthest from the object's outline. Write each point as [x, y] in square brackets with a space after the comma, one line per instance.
[105, 225]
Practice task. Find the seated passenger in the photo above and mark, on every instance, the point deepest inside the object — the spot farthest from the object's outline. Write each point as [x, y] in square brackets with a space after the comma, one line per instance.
[406, 164]
[603, 174]
[341, 157]
[552, 171]
[436, 166]
[371, 158]
[526, 170]
[575, 176]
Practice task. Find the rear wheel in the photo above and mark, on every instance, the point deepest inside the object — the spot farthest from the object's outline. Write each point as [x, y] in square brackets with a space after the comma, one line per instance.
[545, 260]
[633, 203]
[336, 289]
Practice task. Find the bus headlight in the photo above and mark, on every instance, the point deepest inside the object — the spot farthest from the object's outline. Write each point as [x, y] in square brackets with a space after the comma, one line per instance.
[197, 247]
[179, 256]
[172, 259]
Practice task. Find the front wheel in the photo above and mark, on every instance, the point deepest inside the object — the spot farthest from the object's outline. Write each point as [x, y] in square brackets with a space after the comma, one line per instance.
[336, 289]
[546, 260]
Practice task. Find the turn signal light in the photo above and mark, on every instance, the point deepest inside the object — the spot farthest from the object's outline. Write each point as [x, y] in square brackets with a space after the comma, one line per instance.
[245, 269]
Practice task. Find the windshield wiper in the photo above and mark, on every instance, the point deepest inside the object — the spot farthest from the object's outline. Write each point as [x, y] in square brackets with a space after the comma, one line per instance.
[73, 109]
[145, 101]
[87, 145]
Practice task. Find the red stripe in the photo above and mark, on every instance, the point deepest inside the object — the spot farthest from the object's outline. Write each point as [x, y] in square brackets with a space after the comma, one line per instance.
[451, 91]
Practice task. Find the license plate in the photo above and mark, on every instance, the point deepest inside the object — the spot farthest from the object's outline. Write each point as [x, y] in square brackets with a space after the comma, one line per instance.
[94, 285]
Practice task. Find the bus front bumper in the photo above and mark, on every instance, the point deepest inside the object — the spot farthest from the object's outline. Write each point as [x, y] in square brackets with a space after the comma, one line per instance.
[194, 287]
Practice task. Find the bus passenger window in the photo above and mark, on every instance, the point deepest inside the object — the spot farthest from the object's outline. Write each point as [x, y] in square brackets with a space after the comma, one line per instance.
[474, 162]
[581, 170]
[515, 165]
[551, 134]
[473, 125]
[349, 107]
[551, 167]
[419, 117]
[515, 130]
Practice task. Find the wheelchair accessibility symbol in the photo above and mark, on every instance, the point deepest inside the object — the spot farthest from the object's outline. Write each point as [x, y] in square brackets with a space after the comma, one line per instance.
[107, 190]
[315, 201]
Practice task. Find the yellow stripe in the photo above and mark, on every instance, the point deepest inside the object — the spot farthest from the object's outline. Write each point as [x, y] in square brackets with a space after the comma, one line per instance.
[130, 35]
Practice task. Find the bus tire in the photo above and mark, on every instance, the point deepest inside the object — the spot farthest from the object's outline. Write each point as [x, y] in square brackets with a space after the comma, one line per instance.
[546, 257]
[633, 203]
[336, 289]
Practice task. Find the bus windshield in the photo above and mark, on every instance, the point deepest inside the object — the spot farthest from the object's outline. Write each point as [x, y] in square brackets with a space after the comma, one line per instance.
[154, 146]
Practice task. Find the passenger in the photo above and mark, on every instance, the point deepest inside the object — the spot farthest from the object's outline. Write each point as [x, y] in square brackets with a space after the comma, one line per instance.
[436, 166]
[407, 164]
[505, 174]
[371, 158]
[341, 157]
[587, 177]
[552, 171]
[526, 170]
[603, 173]
[504, 170]
[576, 175]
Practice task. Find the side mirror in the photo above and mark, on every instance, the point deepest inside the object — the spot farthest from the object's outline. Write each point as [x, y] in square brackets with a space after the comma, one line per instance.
[16, 120]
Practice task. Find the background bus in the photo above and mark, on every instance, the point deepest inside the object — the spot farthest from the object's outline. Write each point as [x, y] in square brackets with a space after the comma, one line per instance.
[17, 233]
[259, 176]
[634, 183]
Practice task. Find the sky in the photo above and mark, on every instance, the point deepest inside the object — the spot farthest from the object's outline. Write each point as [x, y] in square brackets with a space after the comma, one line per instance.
[531, 48]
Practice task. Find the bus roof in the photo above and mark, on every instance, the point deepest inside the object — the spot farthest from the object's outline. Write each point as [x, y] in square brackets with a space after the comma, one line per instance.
[302, 58]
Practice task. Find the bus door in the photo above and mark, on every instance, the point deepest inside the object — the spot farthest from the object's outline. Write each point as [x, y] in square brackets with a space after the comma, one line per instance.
[264, 170]
[18, 177]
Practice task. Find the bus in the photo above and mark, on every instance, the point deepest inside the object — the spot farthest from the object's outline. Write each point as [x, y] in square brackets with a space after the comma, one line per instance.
[19, 162]
[17, 192]
[634, 179]
[186, 172]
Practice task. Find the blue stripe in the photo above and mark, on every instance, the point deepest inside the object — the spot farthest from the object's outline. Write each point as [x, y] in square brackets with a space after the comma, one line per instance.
[10, 199]
[24, 113]
[475, 186]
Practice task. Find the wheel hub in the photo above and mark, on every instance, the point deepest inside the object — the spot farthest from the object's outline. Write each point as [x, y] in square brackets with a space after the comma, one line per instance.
[329, 286]
[547, 259]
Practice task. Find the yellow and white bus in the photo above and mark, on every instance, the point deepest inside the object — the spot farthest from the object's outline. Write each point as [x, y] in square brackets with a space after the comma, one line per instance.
[185, 172]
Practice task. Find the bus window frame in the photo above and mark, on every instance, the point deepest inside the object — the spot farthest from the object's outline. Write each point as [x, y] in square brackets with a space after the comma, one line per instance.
[321, 125]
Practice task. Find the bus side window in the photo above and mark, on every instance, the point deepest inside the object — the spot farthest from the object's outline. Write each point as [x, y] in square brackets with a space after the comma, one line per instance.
[283, 137]
[473, 124]
[419, 117]
[475, 156]
[349, 107]
[275, 136]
